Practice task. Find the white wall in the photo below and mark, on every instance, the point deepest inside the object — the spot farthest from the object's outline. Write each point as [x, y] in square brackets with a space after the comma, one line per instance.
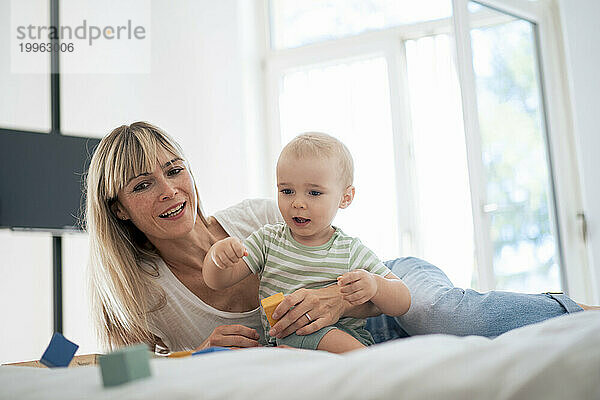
[196, 91]
[20, 94]
[204, 89]
[25, 295]
[581, 35]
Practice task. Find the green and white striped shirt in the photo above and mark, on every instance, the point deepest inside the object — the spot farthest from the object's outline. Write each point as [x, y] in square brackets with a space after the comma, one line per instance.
[284, 265]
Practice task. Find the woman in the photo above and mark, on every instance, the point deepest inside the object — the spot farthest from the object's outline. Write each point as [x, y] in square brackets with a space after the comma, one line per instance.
[149, 236]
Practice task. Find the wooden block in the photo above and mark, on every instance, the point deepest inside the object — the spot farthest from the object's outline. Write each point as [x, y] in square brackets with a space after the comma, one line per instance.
[59, 352]
[269, 305]
[77, 361]
[125, 365]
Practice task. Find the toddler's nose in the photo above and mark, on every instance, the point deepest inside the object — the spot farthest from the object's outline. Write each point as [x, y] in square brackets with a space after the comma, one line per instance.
[298, 204]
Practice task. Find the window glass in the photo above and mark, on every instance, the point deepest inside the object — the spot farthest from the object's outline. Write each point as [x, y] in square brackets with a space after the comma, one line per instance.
[513, 139]
[350, 100]
[296, 23]
[445, 222]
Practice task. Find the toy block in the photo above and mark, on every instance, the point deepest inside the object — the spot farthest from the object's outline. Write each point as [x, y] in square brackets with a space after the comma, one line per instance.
[125, 365]
[269, 304]
[59, 352]
[210, 350]
[180, 354]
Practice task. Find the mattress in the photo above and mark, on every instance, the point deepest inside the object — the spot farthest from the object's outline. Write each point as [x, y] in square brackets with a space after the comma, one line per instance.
[555, 359]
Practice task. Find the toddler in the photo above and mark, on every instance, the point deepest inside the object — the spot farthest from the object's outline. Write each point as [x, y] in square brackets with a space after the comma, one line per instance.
[314, 179]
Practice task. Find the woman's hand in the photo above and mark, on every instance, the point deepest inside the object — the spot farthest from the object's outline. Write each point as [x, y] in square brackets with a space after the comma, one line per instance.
[324, 307]
[231, 336]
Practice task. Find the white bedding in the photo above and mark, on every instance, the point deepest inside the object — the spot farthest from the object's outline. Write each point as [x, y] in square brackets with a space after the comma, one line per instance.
[557, 359]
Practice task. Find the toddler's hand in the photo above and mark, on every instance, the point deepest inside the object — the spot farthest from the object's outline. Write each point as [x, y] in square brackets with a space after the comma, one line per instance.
[358, 286]
[227, 252]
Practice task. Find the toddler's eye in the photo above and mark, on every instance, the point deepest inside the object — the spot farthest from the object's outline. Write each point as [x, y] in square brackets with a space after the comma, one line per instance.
[315, 193]
[286, 191]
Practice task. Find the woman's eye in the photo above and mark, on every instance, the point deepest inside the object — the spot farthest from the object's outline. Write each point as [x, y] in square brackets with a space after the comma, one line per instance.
[315, 193]
[174, 171]
[286, 191]
[141, 186]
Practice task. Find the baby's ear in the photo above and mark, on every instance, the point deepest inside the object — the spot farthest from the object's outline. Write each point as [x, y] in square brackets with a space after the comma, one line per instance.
[347, 197]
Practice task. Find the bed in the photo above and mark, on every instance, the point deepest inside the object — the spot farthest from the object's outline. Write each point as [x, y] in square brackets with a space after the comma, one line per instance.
[556, 359]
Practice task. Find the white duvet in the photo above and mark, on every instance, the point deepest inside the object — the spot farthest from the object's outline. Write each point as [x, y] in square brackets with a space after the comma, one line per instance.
[556, 359]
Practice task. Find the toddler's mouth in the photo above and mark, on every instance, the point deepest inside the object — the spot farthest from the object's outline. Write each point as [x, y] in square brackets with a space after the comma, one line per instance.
[300, 220]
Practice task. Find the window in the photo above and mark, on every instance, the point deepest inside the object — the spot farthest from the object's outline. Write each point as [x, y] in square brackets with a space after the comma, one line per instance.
[297, 23]
[444, 112]
[443, 204]
[350, 100]
[516, 165]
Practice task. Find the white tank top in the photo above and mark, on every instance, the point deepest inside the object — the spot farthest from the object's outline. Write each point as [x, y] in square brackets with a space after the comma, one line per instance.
[186, 321]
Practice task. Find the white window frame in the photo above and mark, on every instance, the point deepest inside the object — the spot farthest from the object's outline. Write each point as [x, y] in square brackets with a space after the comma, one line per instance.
[389, 43]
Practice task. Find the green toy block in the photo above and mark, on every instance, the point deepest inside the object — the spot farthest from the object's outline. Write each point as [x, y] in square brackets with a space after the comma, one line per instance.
[125, 365]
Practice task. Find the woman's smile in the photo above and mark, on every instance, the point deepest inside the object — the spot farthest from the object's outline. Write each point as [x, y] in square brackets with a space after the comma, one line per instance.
[174, 212]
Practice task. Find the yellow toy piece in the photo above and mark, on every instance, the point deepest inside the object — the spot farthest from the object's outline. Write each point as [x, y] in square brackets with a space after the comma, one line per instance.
[269, 304]
[179, 354]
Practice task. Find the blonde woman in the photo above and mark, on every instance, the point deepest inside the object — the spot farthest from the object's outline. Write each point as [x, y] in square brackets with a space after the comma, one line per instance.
[149, 236]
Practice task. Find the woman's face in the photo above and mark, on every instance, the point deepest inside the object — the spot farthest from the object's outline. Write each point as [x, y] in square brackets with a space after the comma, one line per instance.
[161, 203]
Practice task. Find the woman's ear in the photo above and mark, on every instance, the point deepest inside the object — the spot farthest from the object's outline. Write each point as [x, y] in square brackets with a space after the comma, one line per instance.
[118, 209]
[347, 197]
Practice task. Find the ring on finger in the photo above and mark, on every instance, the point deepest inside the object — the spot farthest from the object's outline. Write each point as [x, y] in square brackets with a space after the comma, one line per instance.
[309, 318]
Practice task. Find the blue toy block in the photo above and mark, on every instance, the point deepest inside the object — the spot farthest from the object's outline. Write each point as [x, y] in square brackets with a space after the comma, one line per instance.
[59, 352]
[125, 365]
[210, 350]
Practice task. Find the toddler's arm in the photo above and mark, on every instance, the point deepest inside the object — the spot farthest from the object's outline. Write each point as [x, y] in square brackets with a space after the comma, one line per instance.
[388, 293]
[223, 265]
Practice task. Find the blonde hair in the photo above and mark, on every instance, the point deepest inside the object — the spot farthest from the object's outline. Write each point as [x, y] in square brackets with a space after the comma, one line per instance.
[122, 288]
[322, 145]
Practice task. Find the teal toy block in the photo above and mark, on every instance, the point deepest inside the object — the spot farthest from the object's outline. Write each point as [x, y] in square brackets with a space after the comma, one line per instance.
[125, 365]
[59, 352]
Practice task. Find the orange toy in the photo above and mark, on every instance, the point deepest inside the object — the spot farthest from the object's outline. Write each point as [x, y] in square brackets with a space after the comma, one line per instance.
[269, 304]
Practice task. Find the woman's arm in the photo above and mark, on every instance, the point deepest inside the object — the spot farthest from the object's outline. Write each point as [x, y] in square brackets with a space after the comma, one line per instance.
[365, 310]
[325, 307]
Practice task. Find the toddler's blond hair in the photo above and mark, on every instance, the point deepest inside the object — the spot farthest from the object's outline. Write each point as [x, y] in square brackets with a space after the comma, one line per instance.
[322, 145]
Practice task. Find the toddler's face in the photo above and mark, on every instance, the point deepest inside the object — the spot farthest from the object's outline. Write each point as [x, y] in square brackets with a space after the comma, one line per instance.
[310, 193]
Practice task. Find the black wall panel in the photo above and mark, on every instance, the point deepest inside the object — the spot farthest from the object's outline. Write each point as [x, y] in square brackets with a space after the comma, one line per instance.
[41, 179]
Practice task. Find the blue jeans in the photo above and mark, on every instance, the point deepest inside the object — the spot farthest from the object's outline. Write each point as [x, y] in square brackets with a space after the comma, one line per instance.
[439, 307]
